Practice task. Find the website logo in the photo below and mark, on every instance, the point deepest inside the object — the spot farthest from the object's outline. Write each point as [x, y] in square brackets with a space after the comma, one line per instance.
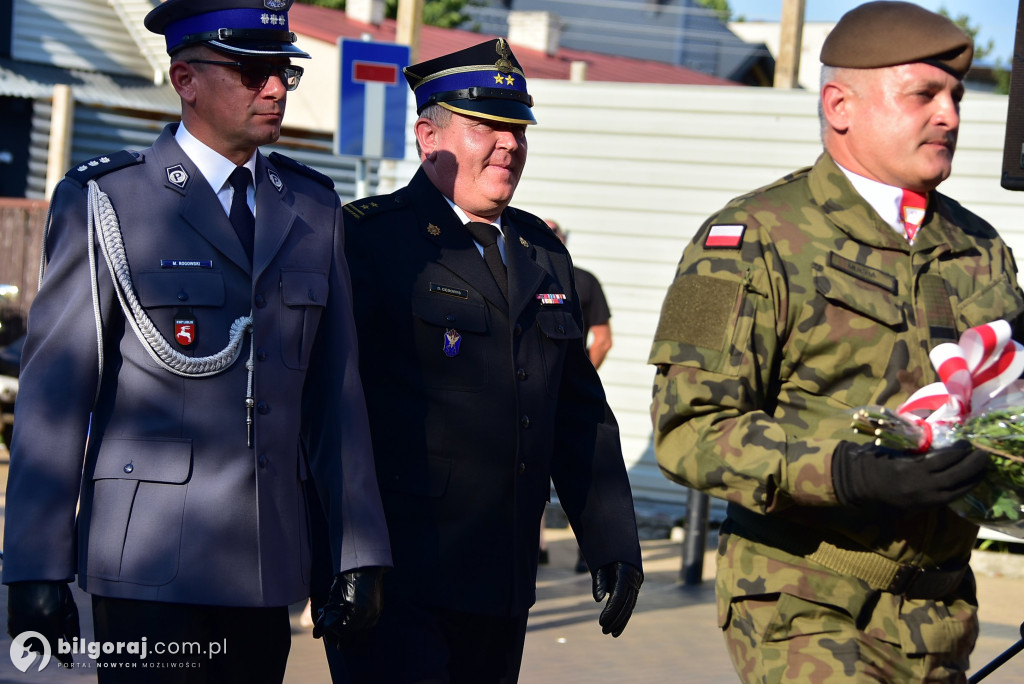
[22, 657]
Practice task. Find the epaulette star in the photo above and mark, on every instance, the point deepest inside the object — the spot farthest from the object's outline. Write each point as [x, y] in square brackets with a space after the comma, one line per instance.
[94, 168]
[364, 208]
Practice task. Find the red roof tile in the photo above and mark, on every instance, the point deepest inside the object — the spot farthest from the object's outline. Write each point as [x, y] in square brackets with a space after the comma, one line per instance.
[328, 25]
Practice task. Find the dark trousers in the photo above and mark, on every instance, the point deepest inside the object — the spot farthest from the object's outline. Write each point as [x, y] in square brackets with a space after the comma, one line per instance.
[189, 644]
[425, 645]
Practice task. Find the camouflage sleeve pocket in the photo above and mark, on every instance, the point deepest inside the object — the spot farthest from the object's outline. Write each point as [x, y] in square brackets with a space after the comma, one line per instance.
[698, 322]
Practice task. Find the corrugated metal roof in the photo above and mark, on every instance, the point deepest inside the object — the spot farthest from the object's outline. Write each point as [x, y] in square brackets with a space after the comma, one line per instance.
[75, 34]
[329, 25]
[133, 14]
[24, 79]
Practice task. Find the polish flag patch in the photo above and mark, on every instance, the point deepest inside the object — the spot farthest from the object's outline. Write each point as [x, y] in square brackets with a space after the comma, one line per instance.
[725, 235]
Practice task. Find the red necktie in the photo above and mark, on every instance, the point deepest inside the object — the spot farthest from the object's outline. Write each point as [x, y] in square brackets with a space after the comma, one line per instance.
[912, 211]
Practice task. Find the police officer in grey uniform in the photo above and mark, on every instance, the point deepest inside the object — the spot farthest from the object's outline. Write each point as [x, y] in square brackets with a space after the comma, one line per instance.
[479, 391]
[190, 378]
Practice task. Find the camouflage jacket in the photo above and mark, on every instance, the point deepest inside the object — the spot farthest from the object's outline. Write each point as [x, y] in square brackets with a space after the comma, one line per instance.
[809, 306]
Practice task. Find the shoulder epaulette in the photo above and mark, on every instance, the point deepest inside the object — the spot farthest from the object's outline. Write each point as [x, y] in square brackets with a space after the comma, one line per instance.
[98, 166]
[321, 178]
[369, 206]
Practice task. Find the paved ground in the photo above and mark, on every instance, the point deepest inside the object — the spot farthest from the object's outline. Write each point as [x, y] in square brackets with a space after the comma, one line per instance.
[671, 638]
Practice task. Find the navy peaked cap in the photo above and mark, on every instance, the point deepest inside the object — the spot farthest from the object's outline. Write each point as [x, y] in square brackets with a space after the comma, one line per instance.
[485, 81]
[248, 28]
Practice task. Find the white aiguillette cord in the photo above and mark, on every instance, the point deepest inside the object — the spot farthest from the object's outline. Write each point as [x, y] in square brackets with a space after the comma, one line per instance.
[101, 214]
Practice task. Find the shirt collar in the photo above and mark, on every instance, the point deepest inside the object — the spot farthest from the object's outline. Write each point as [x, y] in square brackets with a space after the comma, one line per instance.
[215, 167]
[884, 199]
[465, 219]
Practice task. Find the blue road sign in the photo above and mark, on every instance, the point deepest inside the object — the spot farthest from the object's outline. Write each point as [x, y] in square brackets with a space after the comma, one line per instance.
[371, 118]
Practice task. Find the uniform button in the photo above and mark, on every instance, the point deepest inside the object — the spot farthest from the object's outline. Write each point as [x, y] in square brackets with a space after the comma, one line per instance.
[262, 460]
[262, 407]
[521, 373]
[518, 330]
[261, 354]
[450, 318]
[561, 329]
[182, 296]
[260, 301]
[522, 468]
[525, 421]
[128, 468]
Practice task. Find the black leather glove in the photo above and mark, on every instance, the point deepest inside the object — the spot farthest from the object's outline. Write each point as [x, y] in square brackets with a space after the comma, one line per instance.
[623, 582]
[44, 607]
[863, 473]
[353, 605]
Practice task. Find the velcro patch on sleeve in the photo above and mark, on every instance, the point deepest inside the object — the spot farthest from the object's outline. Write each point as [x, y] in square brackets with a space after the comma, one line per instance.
[724, 236]
[698, 311]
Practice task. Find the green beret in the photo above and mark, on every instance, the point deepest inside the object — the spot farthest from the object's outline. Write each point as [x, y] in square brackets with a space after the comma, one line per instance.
[882, 34]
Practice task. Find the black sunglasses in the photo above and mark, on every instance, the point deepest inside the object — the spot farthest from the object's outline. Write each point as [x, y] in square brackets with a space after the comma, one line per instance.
[256, 74]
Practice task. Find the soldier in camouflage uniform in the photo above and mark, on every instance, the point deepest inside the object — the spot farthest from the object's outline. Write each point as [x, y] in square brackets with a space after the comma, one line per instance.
[800, 301]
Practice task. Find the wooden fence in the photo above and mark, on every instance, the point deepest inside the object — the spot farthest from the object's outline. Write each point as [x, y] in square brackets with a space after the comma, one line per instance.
[21, 230]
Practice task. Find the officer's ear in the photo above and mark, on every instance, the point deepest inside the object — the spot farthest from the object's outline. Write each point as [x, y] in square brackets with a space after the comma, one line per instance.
[426, 132]
[836, 100]
[183, 80]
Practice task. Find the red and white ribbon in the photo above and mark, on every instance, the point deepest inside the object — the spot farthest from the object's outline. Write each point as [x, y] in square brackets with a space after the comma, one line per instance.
[981, 373]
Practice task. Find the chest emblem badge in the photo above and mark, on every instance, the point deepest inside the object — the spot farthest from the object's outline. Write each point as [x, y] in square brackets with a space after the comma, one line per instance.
[185, 331]
[452, 342]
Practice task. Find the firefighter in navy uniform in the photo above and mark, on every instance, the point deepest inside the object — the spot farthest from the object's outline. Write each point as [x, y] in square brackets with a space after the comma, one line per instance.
[196, 304]
[479, 390]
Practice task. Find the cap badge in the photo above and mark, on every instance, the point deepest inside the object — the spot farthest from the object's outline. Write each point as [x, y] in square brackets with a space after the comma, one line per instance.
[276, 5]
[503, 64]
[177, 175]
[274, 19]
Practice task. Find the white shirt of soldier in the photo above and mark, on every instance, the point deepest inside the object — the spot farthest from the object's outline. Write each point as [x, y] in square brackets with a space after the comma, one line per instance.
[884, 199]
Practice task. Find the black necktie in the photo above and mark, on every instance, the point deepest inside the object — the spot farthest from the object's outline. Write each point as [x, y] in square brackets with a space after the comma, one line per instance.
[487, 235]
[241, 216]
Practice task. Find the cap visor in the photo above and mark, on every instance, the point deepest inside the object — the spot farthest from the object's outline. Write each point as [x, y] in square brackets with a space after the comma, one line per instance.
[258, 50]
[496, 110]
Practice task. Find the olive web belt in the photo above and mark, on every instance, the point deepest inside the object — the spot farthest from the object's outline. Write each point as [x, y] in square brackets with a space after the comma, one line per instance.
[877, 571]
